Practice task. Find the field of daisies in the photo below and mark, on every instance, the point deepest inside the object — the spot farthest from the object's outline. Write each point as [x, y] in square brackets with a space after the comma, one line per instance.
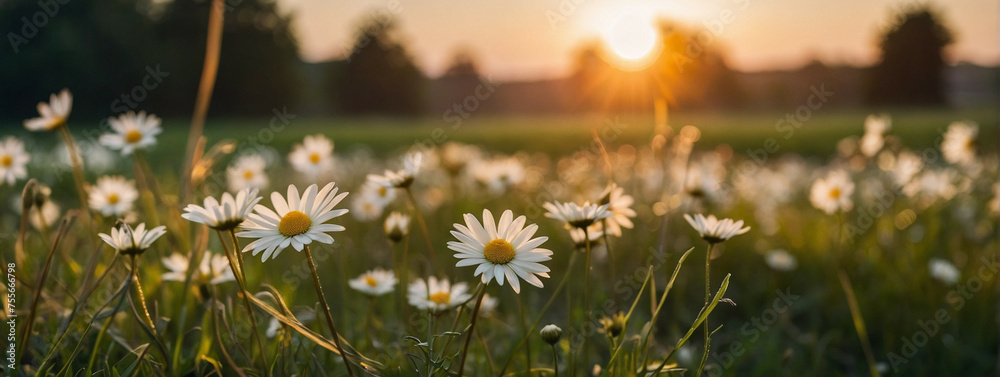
[447, 259]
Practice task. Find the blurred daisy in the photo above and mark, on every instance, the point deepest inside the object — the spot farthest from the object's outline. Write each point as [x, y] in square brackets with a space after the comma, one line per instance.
[576, 216]
[313, 157]
[296, 222]
[127, 241]
[378, 193]
[224, 215]
[397, 226]
[113, 195]
[44, 217]
[579, 236]
[781, 260]
[499, 174]
[833, 192]
[131, 132]
[376, 282]
[959, 144]
[99, 158]
[943, 271]
[619, 205]
[402, 178]
[488, 307]
[247, 172]
[437, 295]
[456, 156]
[13, 160]
[52, 114]
[500, 250]
[364, 208]
[906, 166]
[714, 230]
[876, 127]
[214, 269]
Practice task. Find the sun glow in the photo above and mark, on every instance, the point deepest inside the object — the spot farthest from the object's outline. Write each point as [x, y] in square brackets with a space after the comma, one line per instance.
[633, 40]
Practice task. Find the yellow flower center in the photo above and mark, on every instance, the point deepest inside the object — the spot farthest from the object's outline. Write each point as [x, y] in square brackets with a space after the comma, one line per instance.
[133, 136]
[314, 158]
[113, 199]
[382, 191]
[370, 281]
[835, 193]
[55, 122]
[970, 144]
[440, 298]
[294, 223]
[7, 161]
[247, 174]
[498, 251]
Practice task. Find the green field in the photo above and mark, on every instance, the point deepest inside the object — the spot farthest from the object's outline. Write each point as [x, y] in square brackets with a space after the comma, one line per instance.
[560, 134]
[796, 321]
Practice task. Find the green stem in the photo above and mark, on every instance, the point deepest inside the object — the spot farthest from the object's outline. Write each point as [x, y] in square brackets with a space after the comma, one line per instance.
[708, 297]
[472, 327]
[423, 228]
[241, 279]
[326, 311]
[142, 297]
[555, 360]
[586, 300]
[78, 177]
[534, 325]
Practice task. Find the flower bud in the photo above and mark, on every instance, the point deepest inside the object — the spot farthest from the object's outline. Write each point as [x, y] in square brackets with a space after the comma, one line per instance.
[551, 334]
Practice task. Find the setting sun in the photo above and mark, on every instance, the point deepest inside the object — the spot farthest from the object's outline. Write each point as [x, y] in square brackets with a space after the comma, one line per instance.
[632, 39]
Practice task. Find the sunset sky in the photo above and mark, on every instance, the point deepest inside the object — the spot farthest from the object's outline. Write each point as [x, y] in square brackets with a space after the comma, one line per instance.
[524, 39]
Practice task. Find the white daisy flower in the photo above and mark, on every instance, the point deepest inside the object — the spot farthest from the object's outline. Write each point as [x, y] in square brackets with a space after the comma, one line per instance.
[296, 222]
[376, 282]
[247, 172]
[500, 250]
[52, 114]
[314, 157]
[499, 174]
[13, 160]
[714, 230]
[959, 144]
[132, 242]
[113, 195]
[833, 192]
[619, 205]
[781, 260]
[876, 127]
[575, 215]
[131, 132]
[579, 236]
[944, 271]
[223, 215]
[402, 178]
[378, 193]
[45, 217]
[214, 269]
[365, 208]
[397, 226]
[437, 295]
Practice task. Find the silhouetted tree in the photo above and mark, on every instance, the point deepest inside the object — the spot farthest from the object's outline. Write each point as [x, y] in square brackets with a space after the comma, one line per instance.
[258, 67]
[108, 51]
[379, 76]
[911, 68]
